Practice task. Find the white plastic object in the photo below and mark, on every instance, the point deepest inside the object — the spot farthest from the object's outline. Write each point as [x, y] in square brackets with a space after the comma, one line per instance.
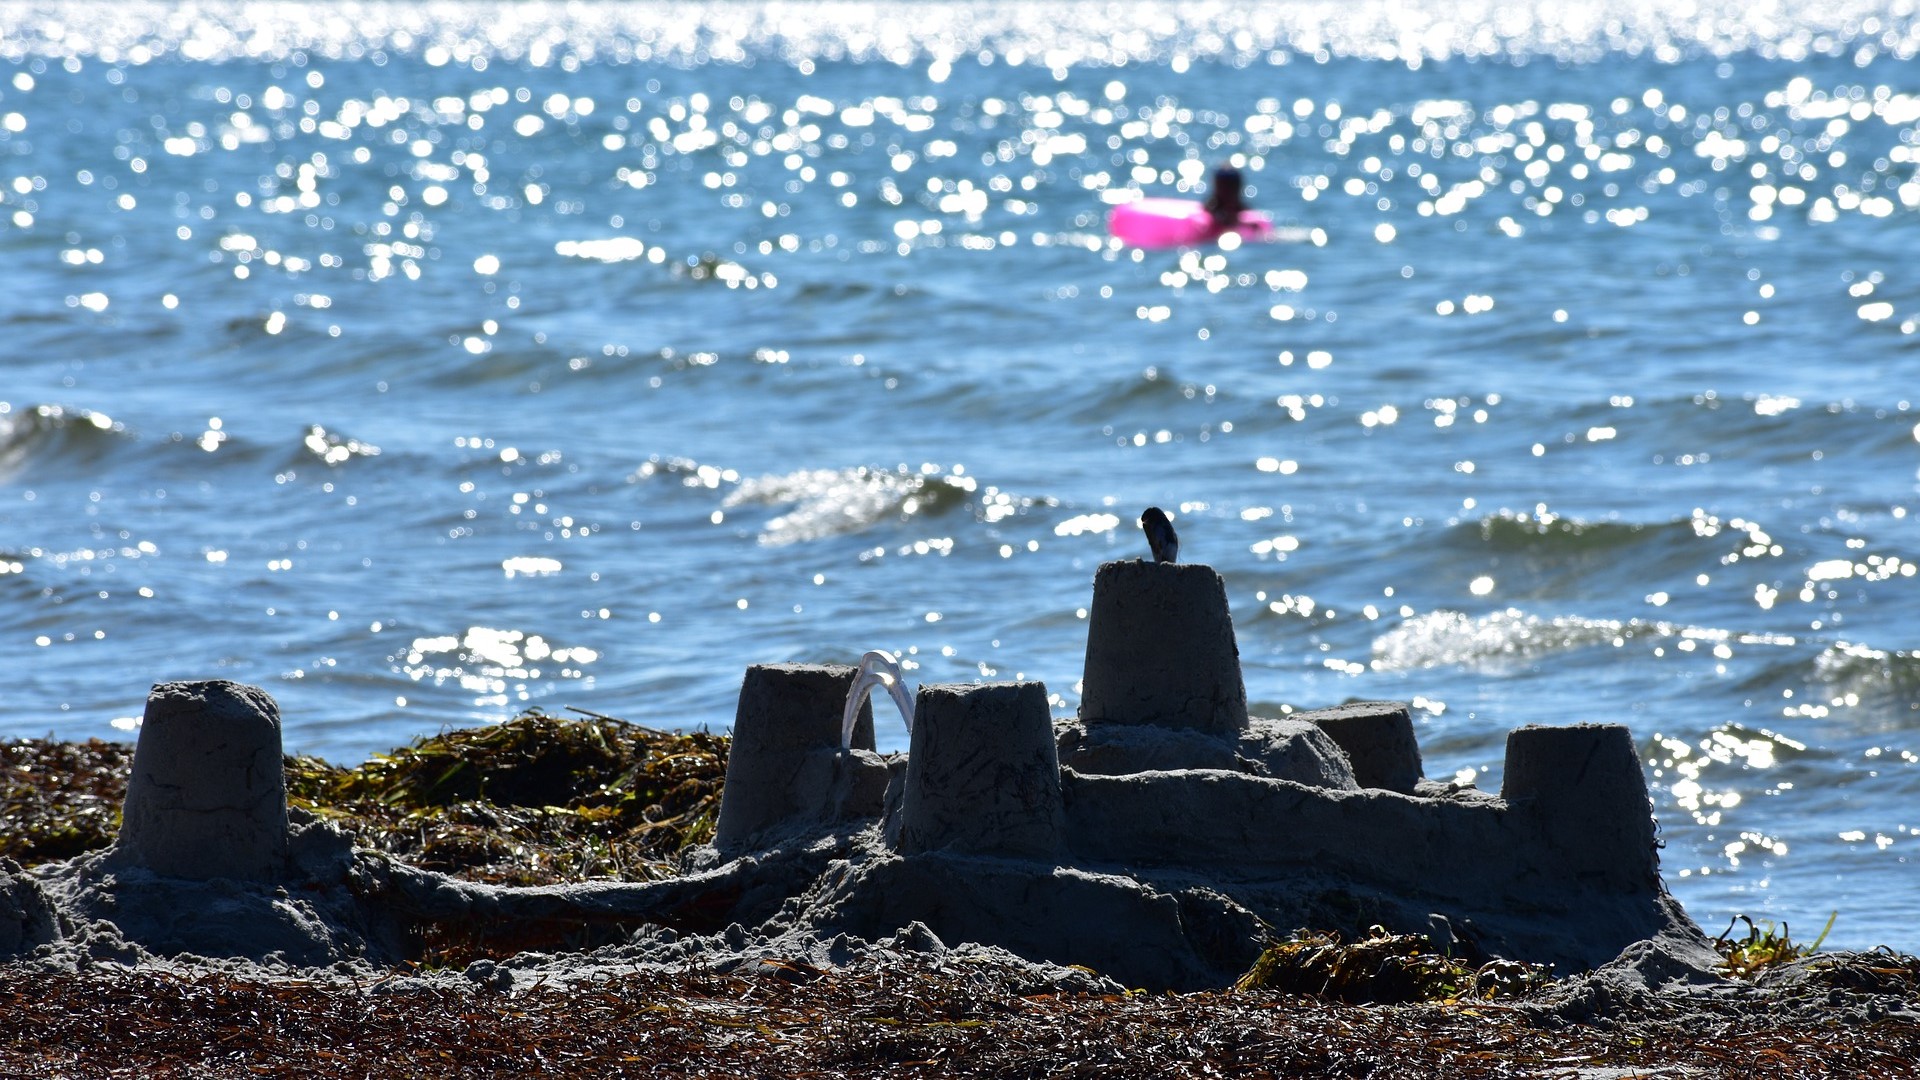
[877, 668]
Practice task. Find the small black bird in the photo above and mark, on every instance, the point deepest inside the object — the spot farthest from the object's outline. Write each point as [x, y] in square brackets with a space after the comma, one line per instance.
[1160, 535]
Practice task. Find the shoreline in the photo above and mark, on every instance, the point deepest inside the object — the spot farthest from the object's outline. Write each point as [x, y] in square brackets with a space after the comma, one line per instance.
[912, 1005]
[906, 1014]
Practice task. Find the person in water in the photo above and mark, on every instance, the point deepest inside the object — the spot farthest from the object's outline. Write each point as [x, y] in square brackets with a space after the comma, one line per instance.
[1227, 198]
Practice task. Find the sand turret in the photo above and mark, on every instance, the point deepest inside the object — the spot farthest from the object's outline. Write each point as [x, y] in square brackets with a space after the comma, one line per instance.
[1377, 737]
[1583, 788]
[786, 738]
[982, 774]
[207, 797]
[1160, 650]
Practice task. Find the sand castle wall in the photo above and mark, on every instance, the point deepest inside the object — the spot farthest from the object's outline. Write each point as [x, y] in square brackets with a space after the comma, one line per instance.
[1464, 849]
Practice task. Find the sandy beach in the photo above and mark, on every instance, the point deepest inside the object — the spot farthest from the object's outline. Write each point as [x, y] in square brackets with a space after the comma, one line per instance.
[911, 1016]
[620, 1000]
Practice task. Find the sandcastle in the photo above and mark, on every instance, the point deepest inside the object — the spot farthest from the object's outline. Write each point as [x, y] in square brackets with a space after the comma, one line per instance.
[1162, 837]
[1164, 832]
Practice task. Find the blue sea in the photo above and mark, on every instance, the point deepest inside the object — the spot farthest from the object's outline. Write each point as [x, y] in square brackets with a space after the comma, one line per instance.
[428, 362]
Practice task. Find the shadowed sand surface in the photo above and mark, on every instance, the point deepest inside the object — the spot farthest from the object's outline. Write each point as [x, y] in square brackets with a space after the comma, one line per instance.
[908, 1012]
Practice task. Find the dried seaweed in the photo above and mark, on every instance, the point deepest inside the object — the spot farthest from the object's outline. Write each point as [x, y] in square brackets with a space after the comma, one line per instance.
[533, 801]
[1879, 971]
[60, 799]
[910, 1015]
[1383, 968]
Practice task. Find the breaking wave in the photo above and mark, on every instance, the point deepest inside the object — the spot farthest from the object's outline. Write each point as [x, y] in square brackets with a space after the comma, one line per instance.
[818, 503]
[51, 435]
[1873, 674]
[1502, 640]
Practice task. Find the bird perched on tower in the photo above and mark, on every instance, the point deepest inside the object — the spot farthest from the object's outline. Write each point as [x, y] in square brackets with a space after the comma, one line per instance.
[1160, 535]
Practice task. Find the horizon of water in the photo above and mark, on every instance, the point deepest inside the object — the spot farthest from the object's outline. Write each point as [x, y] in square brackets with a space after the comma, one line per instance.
[423, 363]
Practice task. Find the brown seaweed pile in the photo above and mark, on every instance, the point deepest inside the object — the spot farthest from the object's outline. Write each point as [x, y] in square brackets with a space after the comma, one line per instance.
[1384, 968]
[60, 799]
[534, 801]
[908, 1015]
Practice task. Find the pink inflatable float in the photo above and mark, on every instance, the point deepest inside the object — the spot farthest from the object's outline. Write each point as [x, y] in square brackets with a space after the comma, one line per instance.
[1154, 223]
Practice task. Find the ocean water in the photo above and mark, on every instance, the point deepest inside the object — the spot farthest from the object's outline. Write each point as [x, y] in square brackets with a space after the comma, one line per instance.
[423, 363]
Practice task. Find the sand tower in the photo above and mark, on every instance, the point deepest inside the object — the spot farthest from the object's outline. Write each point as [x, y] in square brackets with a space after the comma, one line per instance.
[208, 795]
[786, 735]
[1160, 650]
[1378, 739]
[982, 773]
[1582, 786]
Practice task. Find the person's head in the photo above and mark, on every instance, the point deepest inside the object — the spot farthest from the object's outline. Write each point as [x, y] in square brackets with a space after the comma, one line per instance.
[1226, 198]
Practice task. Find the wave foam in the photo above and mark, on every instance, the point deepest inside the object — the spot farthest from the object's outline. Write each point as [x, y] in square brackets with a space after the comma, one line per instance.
[835, 502]
[1504, 639]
